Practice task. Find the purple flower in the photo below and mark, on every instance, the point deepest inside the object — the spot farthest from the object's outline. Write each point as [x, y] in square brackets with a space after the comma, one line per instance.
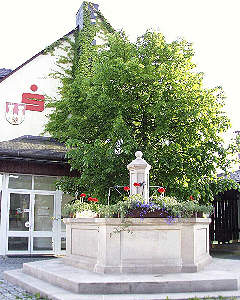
[170, 220]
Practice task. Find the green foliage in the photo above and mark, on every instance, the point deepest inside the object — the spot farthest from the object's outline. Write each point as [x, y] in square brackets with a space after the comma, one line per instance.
[58, 44]
[79, 206]
[170, 205]
[224, 184]
[121, 97]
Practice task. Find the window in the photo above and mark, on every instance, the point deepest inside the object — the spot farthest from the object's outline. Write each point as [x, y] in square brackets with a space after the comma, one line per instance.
[46, 183]
[17, 181]
[26, 182]
[66, 198]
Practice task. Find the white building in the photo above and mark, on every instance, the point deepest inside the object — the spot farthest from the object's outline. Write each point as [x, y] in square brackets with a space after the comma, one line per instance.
[30, 210]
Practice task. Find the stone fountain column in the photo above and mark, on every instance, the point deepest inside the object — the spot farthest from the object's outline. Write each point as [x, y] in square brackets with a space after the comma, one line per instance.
[139, 176]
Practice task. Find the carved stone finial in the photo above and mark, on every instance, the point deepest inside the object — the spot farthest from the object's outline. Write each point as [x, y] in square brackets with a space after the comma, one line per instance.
[139, 176]
[138, 154]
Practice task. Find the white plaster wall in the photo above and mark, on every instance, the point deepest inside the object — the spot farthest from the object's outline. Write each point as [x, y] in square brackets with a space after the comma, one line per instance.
[11, 89]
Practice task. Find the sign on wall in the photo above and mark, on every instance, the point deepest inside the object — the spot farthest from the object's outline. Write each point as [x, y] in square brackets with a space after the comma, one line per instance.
[35, 102]
[15, 112]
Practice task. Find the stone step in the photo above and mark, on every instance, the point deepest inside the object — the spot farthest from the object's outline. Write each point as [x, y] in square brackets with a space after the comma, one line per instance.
[84, 282]
[35, 285]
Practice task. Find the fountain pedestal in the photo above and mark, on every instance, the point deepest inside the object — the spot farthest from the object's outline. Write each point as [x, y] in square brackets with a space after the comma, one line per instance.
[106, 245]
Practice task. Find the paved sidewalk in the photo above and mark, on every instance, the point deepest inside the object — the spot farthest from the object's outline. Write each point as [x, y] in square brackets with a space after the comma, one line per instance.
[9, 291]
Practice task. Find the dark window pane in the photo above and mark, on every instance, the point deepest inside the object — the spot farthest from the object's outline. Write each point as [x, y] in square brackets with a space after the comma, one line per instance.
[63, 243]
[17, 243]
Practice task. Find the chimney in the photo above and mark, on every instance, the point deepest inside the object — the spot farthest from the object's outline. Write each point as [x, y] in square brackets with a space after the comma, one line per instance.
[91, 7]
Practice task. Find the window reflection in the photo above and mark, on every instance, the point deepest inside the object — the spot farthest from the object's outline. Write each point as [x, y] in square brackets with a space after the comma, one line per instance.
[42, 243]
[65, 199]
[45, 183]
[20, 182]
[17, 243]
[19, 212]
[43, 212]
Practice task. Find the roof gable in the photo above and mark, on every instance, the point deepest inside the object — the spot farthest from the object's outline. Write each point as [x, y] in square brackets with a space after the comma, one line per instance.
[94, 15]
[36, 55]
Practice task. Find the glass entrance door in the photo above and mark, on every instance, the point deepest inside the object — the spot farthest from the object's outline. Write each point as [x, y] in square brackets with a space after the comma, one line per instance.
[31, 228]
[43, 229]
[19, 223]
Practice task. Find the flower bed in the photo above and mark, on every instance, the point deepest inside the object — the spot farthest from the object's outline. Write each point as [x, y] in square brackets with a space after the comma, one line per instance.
[136, 207]
[140, 213]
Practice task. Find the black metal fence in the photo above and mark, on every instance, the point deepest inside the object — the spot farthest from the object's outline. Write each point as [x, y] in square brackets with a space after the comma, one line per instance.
[224, 226]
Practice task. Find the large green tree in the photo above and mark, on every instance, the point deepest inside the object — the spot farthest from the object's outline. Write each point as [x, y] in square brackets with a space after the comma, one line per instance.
[144, 95]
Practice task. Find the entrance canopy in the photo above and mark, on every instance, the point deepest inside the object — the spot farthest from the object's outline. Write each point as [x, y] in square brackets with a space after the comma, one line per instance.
[34, 155]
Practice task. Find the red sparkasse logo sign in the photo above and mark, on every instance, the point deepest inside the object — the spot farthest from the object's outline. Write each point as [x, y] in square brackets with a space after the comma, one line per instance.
[34, 102]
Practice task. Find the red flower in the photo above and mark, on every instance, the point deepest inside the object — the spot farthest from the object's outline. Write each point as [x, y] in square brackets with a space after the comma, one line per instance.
[92, 199]
[161, 190]
[191, 197]
[126, 188]
[83, 195]
[136, 184]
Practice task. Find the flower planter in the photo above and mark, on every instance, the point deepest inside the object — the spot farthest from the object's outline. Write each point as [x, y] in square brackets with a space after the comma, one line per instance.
[149, 245]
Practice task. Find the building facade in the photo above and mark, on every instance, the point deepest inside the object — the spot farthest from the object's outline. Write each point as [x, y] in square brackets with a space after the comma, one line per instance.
[30, 161]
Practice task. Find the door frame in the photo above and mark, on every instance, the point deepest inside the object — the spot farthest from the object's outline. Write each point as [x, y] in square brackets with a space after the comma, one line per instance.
[31, 233]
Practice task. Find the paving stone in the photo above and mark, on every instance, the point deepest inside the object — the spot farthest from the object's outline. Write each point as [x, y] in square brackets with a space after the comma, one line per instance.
[9, 291]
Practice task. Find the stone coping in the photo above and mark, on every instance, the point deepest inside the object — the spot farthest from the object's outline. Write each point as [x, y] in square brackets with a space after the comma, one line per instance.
[136, 221]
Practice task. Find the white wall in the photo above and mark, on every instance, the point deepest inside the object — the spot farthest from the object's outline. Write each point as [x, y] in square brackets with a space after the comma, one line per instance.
[11, 89]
